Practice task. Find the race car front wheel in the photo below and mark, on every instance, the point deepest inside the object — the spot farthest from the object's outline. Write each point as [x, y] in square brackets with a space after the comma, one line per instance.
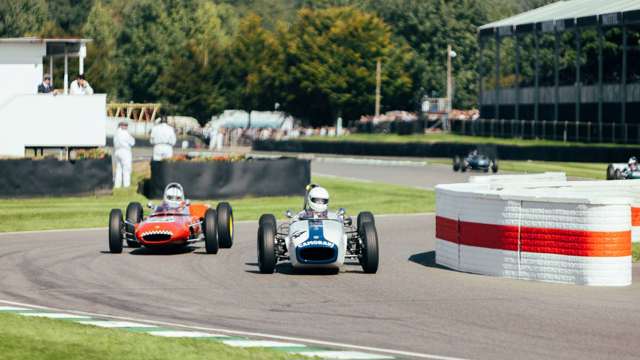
[364, 217]
[369, 255]
[456, 163]
[225, 225]
[134, 216]
[266, 244]
[611, 172]
[210, 232]
[115, 231]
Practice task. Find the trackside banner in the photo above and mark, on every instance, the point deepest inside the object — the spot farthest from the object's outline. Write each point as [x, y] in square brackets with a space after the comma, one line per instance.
[21, 178]
[228, 179]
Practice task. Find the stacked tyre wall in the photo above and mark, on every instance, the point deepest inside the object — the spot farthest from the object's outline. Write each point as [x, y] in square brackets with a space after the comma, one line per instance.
[557, 231]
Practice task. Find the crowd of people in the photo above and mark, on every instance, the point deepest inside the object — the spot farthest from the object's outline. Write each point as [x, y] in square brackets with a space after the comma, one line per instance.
[219, 137]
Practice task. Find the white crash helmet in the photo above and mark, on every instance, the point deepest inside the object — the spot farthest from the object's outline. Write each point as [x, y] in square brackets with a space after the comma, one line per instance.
[173, 194]
[318, 199]
[632, 160]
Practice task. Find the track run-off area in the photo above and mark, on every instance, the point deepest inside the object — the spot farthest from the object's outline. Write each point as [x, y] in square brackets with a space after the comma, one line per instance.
[410, 308]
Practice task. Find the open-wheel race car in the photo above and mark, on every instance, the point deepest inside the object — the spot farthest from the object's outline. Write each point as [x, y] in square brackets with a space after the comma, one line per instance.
[475, 161]
[175, 221]
[317, 238]
[624, 171]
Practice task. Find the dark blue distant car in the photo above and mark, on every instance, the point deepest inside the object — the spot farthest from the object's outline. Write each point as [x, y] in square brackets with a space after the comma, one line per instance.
[475, 161]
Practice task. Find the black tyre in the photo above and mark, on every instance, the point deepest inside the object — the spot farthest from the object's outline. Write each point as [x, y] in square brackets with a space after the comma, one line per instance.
[463, 166]
[369, 256]
[617, 175]
[364, 217]
[210, 231]
[115, 231]
[225, 225]
[267, 257]
[494, 166]
[134, 213]
[610, 172]
[456, 163]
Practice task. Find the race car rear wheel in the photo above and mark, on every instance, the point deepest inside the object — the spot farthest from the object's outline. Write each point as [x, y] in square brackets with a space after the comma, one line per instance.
[210, 231]
[225, 225]
[369, 256]
[364, 217]
[617, 175]
[267, 258]
[456, 163]
[494, 166]
[134, 216]
[115, 231]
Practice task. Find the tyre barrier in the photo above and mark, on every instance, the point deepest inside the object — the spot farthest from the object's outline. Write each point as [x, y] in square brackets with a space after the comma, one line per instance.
[23, 178]
[558, 231]
[230, 179]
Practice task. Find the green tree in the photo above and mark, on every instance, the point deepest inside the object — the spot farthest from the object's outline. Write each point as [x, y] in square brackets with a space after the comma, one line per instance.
[331, 59]
[193, 81]
[68, 16]
[103, 68]
[256, 72]
[22, 17]
[145, 45]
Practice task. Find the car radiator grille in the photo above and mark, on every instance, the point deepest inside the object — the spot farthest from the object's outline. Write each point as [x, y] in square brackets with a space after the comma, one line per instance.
[160, 235]
[317, 254]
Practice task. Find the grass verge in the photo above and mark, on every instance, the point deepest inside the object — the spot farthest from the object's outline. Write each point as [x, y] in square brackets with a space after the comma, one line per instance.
[38, 338]
[636, 251]
[573, 169]
[93, 211]
[464, 139]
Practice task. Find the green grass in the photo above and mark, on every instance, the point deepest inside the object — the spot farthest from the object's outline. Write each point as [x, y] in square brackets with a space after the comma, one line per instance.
[38, 338]
[572, 169]
[440, 137]
[636, 252]
[93, 211]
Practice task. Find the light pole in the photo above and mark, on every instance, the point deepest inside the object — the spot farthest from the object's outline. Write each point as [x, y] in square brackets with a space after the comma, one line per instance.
[450, 55]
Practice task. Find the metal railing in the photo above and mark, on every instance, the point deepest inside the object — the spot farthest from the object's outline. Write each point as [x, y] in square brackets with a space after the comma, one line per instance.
[589, 132]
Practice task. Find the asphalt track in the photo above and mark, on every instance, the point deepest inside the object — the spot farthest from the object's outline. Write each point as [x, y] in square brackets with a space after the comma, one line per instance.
[407, 173]
[410, 304]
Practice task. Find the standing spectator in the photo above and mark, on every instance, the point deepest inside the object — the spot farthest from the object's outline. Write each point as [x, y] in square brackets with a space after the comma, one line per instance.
[80, 86]
[45, 87]
[122, 143]
[215, 138]
[163, 137]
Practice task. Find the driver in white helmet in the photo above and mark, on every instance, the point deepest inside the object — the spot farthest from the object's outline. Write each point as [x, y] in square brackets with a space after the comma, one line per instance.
[173, 198]
[316, 203]
[633, 163]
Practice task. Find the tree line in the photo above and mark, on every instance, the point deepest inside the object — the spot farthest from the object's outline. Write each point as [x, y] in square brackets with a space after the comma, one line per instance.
[314, 59]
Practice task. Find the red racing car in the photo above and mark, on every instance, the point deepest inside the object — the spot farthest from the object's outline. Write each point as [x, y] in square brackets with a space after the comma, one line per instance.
[174, 222]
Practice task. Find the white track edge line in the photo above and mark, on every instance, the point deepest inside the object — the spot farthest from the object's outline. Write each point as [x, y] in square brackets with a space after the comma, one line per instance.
[247, 333]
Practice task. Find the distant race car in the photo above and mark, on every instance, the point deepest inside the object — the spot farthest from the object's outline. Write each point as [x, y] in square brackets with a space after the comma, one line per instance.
[313, 239]
[475, 161]
[174, 222]
[624, 171]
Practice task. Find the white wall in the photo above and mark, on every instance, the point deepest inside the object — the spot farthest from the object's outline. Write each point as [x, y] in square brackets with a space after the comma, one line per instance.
[20, 69]
[55, 121]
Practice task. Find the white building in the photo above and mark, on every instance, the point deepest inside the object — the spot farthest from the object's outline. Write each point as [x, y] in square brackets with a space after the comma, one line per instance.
[32, 120]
